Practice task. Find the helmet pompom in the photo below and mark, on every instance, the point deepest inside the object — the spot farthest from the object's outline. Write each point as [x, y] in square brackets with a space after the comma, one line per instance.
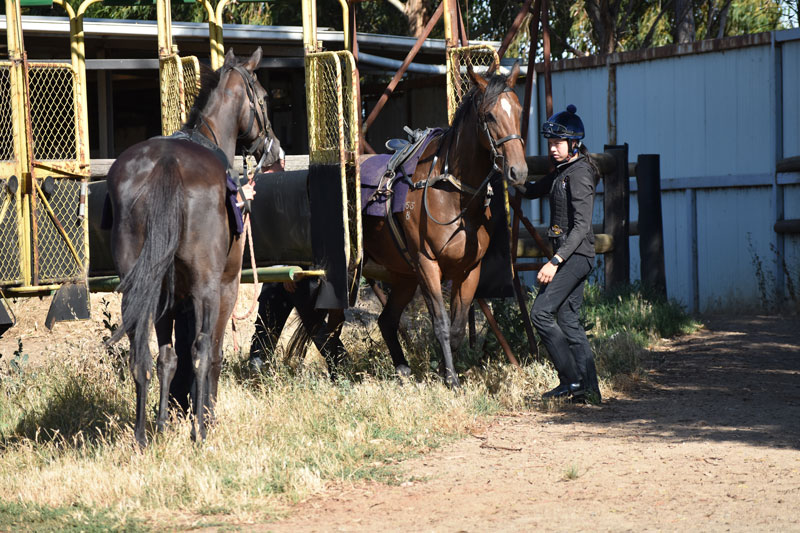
[572, 109]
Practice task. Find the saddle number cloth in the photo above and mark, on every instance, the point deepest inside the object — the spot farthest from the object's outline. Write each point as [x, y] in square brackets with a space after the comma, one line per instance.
[374, 193]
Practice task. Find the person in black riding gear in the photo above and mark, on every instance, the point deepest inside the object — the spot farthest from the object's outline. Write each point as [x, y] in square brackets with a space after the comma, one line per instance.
[556, 310]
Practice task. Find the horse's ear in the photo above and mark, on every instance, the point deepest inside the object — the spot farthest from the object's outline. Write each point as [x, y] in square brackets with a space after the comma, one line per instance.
[255, 59]
[512, 78]
[478, 80]
[230, 59]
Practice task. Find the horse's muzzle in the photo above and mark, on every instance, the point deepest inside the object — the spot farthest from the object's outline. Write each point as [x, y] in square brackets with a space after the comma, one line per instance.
[517, 175]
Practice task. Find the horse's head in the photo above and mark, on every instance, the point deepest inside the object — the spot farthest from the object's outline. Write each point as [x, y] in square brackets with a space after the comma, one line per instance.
[255, 131]
[499, 121]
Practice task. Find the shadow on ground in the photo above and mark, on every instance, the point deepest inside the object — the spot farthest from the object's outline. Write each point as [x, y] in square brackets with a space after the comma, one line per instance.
[737, 380]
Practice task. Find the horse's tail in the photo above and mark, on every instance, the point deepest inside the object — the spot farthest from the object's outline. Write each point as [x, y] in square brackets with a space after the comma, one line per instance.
[149, 287]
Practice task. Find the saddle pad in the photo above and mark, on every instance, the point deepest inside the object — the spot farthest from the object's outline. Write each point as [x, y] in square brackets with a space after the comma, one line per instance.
[234, 212]
[373, 169]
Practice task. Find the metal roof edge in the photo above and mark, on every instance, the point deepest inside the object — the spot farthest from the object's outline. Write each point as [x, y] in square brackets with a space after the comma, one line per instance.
[231, 32]
[673, 50]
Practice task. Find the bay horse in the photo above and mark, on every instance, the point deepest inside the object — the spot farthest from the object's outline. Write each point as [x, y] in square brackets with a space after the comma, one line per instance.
[446, 223]
[171, 240]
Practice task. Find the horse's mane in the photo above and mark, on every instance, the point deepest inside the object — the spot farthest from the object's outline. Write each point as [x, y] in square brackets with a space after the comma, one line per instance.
[481, 100]
[209, 80]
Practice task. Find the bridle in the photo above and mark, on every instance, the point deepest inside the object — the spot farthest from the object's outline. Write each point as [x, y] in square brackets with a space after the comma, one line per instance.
[498, 166]
[264, 128]
[494, 145]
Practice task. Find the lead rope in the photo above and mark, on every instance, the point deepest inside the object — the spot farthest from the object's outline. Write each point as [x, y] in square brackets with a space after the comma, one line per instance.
[247, 229]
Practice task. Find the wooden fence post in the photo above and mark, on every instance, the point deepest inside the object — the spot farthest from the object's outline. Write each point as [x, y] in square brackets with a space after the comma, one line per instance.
[651, 233]
[616, 213]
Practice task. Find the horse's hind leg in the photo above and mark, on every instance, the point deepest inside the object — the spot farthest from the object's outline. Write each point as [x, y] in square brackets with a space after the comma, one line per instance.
[141, 365]
[432, 292]
[402, 293]
[206, 308]
[228, 294]
[166, 366]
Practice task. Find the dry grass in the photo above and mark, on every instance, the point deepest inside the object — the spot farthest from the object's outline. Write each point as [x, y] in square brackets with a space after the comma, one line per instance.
[68, 459]
[67, 441]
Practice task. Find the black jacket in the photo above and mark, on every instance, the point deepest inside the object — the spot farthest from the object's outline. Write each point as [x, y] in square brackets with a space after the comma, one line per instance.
[571, 190]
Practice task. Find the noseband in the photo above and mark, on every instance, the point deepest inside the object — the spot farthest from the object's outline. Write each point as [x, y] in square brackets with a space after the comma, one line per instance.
[264, 138]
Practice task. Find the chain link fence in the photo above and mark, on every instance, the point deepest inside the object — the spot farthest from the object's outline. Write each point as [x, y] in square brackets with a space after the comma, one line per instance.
[6, 124]
[191, 83]
[52, 111]
[172, 95]
[61, 255]
[483, 59]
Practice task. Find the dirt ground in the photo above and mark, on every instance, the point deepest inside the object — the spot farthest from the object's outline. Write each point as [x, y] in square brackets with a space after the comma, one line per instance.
[710, 442]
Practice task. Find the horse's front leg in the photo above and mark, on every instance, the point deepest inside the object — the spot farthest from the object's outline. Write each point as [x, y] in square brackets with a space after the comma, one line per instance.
[463, 292]
[431, 278]
[166, 366]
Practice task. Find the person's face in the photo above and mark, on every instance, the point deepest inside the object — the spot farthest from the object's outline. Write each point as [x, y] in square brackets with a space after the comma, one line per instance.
[558, 149]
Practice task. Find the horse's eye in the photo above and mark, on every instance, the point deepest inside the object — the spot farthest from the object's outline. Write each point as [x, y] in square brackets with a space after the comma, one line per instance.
[490, 118]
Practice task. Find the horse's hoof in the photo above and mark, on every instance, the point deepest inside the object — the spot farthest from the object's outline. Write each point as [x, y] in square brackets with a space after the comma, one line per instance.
[256, 365]
[403, 371]
[452, 382]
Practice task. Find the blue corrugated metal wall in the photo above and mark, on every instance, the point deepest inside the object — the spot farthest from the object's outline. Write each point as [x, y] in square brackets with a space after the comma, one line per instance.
[712, 117]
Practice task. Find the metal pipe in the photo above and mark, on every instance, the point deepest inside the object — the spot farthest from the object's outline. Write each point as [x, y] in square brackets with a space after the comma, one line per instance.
[393, 64]
[548, 83]
[449, 35]
[214, 35]
[533, 30]
[348, 45]
[497, 333]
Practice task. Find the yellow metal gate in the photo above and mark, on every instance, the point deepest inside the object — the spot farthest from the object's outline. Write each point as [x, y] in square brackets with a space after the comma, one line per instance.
[44, 168]
[333, 130]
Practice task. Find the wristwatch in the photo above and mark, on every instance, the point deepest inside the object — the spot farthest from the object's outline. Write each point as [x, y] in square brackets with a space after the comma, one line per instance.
[555, 261]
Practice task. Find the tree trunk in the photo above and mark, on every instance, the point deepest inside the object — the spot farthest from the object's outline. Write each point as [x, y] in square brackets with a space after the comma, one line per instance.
[684, 22]
[418, 15]
[602, 17]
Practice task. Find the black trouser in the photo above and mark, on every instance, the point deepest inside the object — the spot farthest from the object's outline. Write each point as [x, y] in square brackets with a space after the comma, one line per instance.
[274, 306]
[556, 315]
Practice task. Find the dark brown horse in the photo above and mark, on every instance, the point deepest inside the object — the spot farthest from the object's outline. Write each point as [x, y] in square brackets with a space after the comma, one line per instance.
[171, 240]
[445, 222]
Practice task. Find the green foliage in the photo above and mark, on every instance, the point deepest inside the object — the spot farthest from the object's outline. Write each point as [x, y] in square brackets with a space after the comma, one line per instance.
[636, 310]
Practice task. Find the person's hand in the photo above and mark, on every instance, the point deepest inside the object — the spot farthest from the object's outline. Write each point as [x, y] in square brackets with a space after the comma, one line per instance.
[248, 191]
[546, 273]
[277, 166]
[289, 286]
